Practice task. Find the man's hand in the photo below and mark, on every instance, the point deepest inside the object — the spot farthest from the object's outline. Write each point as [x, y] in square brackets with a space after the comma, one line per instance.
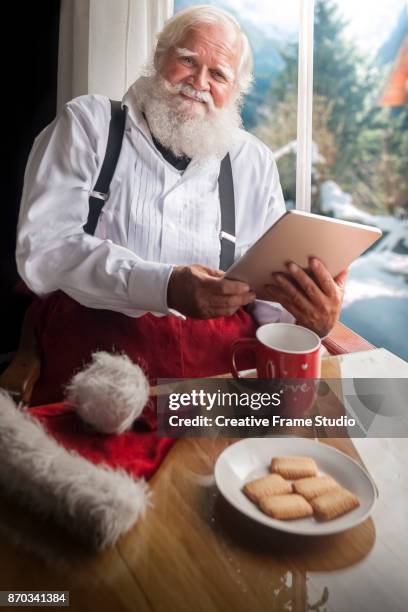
[314, 302]
[202, 293]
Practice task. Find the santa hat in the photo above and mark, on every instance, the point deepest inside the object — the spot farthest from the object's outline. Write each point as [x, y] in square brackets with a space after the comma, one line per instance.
[94, 502]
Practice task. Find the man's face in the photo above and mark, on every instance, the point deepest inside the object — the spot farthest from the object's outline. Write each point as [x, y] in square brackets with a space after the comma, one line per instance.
[204, 65]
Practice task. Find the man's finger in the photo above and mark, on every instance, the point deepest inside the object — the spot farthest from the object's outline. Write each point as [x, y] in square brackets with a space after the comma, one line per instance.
[212, 272]
[232, 301]
[323, 277]
[295, 295]
[340, 279]
[309, 286]
[282, 298]
[230, 287]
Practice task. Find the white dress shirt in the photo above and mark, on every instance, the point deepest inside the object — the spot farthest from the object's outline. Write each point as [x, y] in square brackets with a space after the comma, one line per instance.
[155, 217]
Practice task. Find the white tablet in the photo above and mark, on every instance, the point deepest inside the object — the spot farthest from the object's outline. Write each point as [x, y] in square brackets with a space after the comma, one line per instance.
[296, 236]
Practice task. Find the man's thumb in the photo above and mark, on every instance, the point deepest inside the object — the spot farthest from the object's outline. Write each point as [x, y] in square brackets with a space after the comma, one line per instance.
[340, 279]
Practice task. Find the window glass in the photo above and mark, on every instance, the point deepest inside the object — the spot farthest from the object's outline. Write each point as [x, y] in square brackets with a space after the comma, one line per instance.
[360, 135]
[360, 142]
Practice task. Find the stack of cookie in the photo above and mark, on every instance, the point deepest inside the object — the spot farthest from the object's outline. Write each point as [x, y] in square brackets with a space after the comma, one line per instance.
[294, 490]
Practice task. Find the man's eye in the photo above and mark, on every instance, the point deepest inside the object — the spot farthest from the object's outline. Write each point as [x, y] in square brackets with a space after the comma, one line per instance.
[218, 75]
[187, 60]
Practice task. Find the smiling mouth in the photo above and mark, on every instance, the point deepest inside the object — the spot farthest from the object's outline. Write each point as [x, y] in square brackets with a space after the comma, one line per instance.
[191, 98]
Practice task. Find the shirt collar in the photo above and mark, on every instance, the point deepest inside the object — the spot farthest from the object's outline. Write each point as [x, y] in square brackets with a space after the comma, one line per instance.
[135, 114]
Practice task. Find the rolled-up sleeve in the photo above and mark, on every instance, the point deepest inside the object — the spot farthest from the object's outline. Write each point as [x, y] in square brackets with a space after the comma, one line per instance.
[53, 251]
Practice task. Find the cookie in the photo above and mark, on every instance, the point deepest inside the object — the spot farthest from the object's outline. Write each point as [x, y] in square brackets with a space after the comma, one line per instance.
[272, 484]
[285, 507]
[334, 503]
[314, 486]
[293, 467]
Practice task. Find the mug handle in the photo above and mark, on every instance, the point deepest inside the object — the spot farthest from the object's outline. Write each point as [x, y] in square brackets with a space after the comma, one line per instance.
[240, 345]
[270, 369]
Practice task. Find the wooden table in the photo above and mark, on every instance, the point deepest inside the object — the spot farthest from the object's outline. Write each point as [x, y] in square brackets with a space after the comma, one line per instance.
[193, 552]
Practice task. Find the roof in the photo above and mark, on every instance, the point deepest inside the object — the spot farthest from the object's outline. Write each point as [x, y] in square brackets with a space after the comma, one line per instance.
[395, 92]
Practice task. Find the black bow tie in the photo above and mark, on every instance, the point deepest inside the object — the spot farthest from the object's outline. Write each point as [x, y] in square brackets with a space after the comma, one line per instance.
[180, 163]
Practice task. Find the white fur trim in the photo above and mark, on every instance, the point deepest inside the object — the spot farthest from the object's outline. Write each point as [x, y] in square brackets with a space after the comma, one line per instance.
[109, 393]
[95, 503]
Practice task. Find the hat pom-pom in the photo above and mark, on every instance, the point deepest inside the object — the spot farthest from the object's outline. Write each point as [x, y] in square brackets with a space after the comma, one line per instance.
[109, 393]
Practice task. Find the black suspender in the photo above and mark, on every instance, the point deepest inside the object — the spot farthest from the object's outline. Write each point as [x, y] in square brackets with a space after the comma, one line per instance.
[100, 193]
[227, 201]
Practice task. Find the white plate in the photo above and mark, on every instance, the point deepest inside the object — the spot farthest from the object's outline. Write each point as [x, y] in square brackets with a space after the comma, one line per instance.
[250, 458]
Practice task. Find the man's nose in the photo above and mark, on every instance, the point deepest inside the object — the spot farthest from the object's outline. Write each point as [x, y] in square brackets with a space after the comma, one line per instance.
[200, 79]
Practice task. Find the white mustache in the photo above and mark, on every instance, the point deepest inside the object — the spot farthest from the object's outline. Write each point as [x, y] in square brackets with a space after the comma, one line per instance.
[202, 96]
[184, 88]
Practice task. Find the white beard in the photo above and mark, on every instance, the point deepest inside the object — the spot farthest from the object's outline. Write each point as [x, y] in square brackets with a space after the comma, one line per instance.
[196, 130]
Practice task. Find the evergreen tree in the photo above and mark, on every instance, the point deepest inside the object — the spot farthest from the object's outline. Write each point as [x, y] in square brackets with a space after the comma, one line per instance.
[364, 146]
[339, 74]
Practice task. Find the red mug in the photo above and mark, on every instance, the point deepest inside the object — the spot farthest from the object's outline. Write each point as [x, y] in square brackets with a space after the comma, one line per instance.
[285, 351]
[282, 350]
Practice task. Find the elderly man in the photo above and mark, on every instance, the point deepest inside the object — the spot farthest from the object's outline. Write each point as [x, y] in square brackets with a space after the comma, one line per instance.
[148, 280]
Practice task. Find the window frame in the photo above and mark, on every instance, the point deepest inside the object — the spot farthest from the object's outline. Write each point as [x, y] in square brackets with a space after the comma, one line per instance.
[305, 106]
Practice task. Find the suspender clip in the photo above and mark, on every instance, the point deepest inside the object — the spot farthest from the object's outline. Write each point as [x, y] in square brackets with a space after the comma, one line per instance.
[100, 195]
[226, 236]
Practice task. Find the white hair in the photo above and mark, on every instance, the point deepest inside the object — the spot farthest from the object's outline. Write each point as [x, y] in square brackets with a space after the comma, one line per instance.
[188, 19]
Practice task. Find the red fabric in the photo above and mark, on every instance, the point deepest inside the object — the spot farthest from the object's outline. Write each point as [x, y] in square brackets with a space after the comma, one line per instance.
[139, 451]
[165, 347]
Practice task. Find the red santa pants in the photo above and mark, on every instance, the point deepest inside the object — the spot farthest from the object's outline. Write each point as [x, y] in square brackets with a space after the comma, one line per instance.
[165, 347]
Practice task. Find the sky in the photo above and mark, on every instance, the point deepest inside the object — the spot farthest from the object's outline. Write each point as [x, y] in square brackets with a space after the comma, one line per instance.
[371, 21]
